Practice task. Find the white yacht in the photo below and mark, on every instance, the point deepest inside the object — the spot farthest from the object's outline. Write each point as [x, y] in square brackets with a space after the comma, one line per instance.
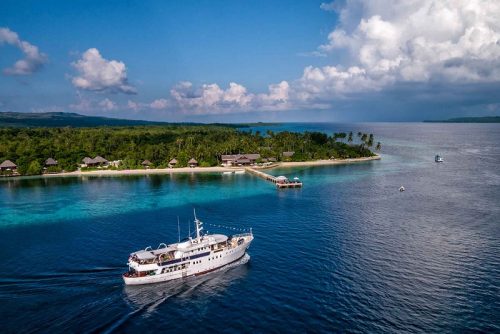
[438, 158]
[194, 256]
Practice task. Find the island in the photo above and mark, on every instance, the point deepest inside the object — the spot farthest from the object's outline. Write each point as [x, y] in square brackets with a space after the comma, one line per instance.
[169, 148]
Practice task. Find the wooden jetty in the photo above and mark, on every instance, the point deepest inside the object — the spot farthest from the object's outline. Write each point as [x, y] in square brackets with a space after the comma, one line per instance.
[280, 181]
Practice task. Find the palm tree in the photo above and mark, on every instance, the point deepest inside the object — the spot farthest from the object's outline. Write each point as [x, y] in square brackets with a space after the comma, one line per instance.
[370, 142]
[359, 134]
[179, 142]
[378, 147]
[363, 137]
[349, 139]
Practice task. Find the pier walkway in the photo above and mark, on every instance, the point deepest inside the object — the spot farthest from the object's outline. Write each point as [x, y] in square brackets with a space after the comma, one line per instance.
[280, 181]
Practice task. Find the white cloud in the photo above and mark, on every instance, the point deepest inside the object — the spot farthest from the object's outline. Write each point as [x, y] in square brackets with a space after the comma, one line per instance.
[107, 105]
[210, 98]
[83, 104]
[408, 42]
[96, 73]
[135, 106]
[87, 104]
[329, 6]
[33, 59]
[159, 104]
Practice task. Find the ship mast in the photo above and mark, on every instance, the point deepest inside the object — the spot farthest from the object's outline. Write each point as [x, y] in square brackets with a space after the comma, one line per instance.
[199, 226]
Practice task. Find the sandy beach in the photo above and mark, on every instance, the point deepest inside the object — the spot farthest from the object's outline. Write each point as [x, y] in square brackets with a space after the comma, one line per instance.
[182, 170]
[187, 170]
[325, 162]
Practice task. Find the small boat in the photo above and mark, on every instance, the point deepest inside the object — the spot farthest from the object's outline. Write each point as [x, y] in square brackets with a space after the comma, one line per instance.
[438, 158]
[239, 172]
[296, 179]
[401, 189]
[227, 173]
[191, 257]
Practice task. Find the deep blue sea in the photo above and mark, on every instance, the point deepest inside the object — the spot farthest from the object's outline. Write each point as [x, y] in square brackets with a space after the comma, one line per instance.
[346, 253]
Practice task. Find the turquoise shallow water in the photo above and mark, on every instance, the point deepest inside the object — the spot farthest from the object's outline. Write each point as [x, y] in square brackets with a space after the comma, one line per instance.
[346, 252]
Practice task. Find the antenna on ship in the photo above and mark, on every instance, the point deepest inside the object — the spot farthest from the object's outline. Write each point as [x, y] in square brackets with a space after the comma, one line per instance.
[199, 226]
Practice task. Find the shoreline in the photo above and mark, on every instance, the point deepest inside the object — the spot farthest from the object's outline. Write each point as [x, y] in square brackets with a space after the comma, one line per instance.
[326, 162]
[217, 169]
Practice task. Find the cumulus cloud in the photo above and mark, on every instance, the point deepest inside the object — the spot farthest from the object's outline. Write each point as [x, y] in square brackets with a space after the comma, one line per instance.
[210, 98]
[87, 104]
[107, 105]
[96, 73]
[134, 106]
[33, 59]
[159, 104]
[408, 42]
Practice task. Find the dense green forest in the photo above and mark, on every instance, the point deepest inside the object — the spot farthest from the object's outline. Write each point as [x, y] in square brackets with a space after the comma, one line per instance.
[30, 147]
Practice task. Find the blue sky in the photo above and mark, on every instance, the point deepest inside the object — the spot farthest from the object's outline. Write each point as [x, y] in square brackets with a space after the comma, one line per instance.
[251, 60]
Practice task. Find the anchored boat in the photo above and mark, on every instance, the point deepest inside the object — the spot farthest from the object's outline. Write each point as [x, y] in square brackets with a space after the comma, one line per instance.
[194, 256]
[438, 158]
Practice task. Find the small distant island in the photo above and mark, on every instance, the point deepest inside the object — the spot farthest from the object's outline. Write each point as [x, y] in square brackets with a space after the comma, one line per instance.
[483, 119]
[169, 147]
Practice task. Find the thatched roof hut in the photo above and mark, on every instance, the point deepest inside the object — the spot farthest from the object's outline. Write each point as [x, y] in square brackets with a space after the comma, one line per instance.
[100, 160]
[146, 163]
[172, 163]
[88, 161]
[288, 154]
[192, 162]
[7, 164]
[50, 162]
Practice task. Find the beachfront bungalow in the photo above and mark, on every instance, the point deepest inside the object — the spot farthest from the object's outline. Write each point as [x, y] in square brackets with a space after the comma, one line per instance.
[8, 165]
[146, 163]
[172, 163]
[50, 163]
[87, 162]
[192, 163]
[98, 161]
[287, 156]
[239, 159]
